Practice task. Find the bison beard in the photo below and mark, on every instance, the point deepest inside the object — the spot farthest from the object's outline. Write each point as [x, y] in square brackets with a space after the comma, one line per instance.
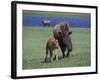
[62, 34]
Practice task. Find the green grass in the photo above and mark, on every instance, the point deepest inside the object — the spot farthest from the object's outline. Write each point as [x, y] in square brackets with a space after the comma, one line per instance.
[54, 13]
[34, 41]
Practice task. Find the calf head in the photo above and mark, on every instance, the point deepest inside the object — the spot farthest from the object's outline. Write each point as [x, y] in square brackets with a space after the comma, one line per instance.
[55, 44]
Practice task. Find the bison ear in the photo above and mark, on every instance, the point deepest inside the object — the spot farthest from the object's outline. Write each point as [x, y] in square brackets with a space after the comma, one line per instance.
[70, 32]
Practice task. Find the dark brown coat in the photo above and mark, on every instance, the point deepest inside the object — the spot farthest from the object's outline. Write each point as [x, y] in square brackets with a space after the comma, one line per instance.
[62, 33]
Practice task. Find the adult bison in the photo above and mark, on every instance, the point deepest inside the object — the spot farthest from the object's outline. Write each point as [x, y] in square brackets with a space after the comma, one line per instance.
[46, 23]
[62, 33]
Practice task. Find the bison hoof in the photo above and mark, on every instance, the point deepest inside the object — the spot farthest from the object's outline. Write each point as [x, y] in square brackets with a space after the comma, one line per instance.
[63, 56]
[67, 55]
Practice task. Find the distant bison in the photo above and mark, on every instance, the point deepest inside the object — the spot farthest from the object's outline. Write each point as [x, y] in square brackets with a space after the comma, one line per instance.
[46, 23]
[62, 33]
[51, 49]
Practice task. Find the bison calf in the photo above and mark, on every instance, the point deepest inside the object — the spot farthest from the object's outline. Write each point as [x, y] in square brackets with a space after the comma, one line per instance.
[51, 49]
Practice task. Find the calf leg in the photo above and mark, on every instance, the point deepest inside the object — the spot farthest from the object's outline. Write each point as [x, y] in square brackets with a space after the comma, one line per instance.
[56, 55]
[51, 55]
[46, 55]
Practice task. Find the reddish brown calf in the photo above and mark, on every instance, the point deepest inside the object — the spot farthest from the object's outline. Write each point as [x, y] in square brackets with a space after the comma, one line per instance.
[51, 47]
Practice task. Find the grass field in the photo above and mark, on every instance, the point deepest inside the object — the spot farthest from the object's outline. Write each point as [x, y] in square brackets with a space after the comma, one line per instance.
[54, 13]
[33, 47]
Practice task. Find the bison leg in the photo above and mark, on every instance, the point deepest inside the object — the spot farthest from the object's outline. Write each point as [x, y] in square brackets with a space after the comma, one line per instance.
[63, 48]
[68, 52]
[63, 51]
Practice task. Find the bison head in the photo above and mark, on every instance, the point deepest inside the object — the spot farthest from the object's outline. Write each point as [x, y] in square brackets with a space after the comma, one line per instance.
[67, 40]
[63, 34]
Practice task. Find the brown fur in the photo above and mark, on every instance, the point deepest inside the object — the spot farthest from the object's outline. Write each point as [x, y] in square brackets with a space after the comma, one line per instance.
[51, 47]
[62, 34]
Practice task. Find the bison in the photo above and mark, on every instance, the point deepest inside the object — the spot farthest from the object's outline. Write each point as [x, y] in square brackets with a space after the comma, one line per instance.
[51, 48]
[62, 33]
[46, 22]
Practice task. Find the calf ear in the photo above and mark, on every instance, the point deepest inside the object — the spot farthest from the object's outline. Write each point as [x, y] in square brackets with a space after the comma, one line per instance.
[70, 32]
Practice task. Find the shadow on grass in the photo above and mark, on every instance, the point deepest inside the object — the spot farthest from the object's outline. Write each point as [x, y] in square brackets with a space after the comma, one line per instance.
[48, 60]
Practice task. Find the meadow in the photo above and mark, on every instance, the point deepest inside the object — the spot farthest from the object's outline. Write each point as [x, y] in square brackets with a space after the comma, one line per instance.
[33, 48]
